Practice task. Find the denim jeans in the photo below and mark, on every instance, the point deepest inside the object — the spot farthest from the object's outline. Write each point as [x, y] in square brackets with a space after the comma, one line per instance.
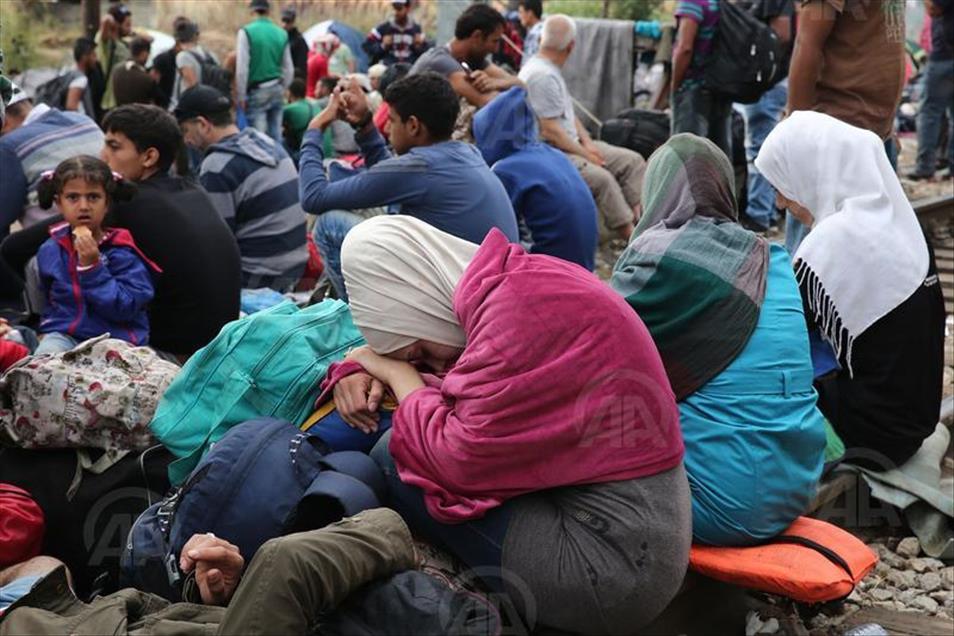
[264, 110]
[938, 97]
[55, 342]
[697, 110]
[330, 230]
[760, 118]
[478, 543]
[795, 232]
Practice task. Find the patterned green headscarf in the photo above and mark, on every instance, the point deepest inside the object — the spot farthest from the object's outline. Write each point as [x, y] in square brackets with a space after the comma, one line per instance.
[691, 272]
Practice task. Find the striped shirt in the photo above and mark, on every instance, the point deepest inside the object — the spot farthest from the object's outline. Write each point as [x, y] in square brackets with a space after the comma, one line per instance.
[253, 184]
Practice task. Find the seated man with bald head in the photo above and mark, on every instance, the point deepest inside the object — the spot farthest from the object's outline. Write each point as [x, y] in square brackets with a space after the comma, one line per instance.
[614, 175]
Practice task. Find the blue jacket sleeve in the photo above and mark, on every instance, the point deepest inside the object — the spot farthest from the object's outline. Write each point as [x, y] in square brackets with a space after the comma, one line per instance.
[13, 190]
[388, 181]
[120, 288]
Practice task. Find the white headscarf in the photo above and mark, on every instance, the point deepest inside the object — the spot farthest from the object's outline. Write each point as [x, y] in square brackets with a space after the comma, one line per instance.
[866, 253]
[401, 273]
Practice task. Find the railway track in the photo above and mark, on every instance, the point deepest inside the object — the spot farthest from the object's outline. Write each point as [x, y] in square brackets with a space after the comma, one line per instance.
[932, 213]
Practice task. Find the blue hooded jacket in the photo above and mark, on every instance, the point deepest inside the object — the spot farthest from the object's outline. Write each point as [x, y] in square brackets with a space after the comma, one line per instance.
[111, 296]
[547, 192]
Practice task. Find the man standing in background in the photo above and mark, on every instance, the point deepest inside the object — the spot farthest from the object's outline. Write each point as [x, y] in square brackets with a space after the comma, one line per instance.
[762, 116]
[938, 91]
[531, 18]
[400, 39]
[296, 42]
[263, 70]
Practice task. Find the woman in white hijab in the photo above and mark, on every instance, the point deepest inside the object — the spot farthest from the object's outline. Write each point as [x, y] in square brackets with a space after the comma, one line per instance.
[868, 283]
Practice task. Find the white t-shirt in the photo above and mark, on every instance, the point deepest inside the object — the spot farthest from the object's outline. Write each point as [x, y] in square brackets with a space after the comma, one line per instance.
[548, 94]
[81, 82]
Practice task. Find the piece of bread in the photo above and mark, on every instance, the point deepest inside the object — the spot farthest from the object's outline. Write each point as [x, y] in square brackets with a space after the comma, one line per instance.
[82, 230]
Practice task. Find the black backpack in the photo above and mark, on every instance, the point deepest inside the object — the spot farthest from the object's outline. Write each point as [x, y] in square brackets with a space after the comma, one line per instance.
[212, 74]
[637, 129]
[53, 93]
[746, 56]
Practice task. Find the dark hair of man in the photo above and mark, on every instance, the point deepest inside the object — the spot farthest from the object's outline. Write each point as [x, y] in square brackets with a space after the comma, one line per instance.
[430, 98]
[147, 127]
[119, 12]
[533, 6]
[478, 17]
[139, 46]
[393, 74]
[330, 82]
[297, 88]
[82, 47]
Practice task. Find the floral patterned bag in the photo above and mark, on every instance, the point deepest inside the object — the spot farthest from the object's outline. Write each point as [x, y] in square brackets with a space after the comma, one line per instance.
[101, 394]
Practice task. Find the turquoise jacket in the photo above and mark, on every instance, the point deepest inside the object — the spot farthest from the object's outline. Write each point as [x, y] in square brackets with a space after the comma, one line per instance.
[754, 439]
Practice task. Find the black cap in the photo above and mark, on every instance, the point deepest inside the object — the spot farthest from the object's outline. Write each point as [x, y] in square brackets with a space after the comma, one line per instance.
[259, 5]
[289, 14]
[186, 31]
[201, 101]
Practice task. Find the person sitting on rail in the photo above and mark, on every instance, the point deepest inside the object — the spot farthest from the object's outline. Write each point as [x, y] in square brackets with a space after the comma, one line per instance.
[868, 282]
[723, 308]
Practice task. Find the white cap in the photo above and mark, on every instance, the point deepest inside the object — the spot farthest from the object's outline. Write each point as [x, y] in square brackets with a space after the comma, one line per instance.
[18, 95]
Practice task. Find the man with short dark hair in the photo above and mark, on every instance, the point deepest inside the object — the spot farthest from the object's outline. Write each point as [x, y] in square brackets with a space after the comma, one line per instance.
[531, 18]
[463, 60]
[175, 225]
[254, 186]
[400, 39]
[132, 83]
[113, 49]
[297, 114]
[445, 183]
[189, 60]
[263, 70]
[296, 42]
[79, 96]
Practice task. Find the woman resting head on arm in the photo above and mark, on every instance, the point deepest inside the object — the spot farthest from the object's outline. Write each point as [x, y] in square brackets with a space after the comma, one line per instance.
[553, 430]
[868, 282]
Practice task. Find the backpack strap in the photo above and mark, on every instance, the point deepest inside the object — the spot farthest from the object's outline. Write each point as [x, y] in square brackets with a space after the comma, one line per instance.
[828, 553]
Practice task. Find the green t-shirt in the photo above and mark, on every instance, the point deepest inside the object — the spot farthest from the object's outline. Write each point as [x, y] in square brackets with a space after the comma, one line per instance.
[295, 119]
[338, 64]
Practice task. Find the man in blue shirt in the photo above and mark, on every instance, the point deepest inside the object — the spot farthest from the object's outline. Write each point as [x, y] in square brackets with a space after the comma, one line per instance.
[445, 183]
[556, 210]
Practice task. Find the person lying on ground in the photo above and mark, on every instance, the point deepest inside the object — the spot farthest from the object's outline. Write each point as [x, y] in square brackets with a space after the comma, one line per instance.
[510, 456]
[253, 184]
[445, 183]
[614, 175]
[291, 584]
[463, 60]
[551, 199]
[724, 311]
[95, 278]
[175, 225]
[868, 281]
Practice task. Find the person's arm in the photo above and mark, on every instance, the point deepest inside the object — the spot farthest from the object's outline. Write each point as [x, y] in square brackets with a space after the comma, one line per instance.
[288, 67]
[682, 53]
[186, 65]
[120, 288]
[494, 78]
[552, 132]
[815, 22]
[373, 45]
[241, 68]
[464, 88]
[73, 98]
[214, 567]
[398, 180]
[782, 26]
[401, 376]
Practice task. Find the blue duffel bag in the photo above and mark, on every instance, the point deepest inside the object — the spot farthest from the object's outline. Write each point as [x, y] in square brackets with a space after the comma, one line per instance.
[264, 479]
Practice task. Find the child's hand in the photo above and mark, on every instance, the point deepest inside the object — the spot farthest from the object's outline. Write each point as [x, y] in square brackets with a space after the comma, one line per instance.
[87, 249]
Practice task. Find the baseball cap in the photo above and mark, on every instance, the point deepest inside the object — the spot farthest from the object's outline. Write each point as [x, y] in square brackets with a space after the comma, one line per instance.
[400, 2]
[289, 14]
[259, 5]
[186, 31]
[201, 101]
